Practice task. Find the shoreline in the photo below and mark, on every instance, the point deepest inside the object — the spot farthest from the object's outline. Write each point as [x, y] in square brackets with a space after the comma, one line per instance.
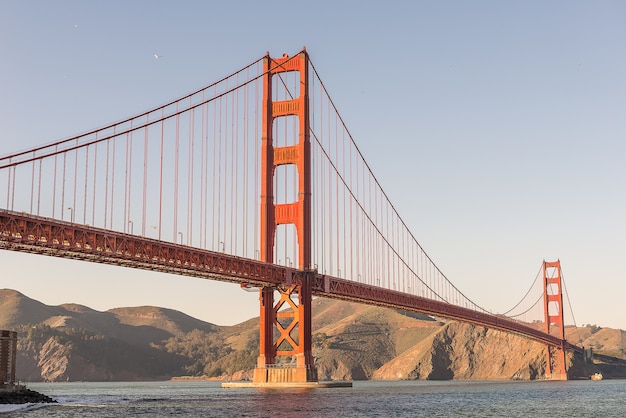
[20, 394]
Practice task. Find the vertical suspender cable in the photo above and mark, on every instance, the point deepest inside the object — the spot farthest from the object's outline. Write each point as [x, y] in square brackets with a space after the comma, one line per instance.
[54, 187]
[377, 241]
[176, 151]
[343, 222]
[257, 169]
[224, 142]
[32, 184]
[202, 237]
[190, 159]
[160, 225]
[95, 170]
[63, 187]
[234, 244]
[74, 182]
[129, 175]
[358, 223]
[214, 177]
[39, 187]
[127, 182]
[351, 215]
[106, 184]
[218, 202]
[369, 225]
[206, 178]
[112, 202]
[245, 168]
[190, 169]
[233, 175]
[9, 186]
[392, 247]
[144, 192]
[336, 175]
[389, 250]
[330, 198]
[324, 206]
[86, 183]
[13, 188]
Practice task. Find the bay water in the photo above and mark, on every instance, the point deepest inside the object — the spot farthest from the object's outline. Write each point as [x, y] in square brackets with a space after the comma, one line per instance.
[586, 398]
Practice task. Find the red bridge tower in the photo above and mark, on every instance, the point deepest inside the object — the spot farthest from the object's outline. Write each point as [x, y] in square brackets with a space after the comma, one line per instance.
[293, 325]
[553, 308]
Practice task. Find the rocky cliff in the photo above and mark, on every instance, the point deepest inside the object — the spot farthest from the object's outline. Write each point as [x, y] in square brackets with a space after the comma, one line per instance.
[461, 351]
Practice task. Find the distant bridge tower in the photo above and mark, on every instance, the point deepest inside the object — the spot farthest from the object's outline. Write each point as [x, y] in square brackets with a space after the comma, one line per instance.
[293, 324]
[553, 308]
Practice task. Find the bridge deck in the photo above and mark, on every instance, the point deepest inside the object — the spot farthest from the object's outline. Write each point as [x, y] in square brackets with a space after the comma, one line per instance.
[28, 233]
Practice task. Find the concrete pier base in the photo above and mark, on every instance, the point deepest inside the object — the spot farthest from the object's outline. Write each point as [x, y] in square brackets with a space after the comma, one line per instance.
[287, 385]
[557, 376]
[284, 374]
[277, 376]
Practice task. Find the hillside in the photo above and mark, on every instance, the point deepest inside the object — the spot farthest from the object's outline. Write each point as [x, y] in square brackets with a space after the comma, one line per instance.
[607, 341]
[350, 342]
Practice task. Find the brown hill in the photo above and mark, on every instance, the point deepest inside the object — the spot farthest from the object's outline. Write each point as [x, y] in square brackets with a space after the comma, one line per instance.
[74, 342]
[607, 341]
[350, 341]
[169, 320]
[17, 309]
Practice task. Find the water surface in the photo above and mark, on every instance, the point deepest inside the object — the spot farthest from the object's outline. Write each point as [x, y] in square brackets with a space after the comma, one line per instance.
[365, 399]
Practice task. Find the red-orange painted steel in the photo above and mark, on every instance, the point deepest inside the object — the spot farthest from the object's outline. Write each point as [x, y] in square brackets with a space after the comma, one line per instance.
[297, 213]
[553, 309]
[267, 353]
[336, 288]
[29, 233]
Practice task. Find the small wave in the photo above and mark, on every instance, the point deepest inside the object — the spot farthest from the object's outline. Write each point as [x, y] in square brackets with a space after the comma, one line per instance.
[13, 407]
[151, 399]
[91, 398]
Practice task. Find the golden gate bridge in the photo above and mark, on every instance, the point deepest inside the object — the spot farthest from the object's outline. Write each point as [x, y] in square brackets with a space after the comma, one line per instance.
[254, 179]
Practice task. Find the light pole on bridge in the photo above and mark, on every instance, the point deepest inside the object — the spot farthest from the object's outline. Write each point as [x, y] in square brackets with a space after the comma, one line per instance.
[71, 214]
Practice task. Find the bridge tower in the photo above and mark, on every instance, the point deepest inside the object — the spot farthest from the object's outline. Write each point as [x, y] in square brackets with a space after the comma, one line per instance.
[553, 308]
[293, 325]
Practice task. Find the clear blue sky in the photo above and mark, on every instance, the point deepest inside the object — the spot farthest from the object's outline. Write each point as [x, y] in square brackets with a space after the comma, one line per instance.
[497, 128]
